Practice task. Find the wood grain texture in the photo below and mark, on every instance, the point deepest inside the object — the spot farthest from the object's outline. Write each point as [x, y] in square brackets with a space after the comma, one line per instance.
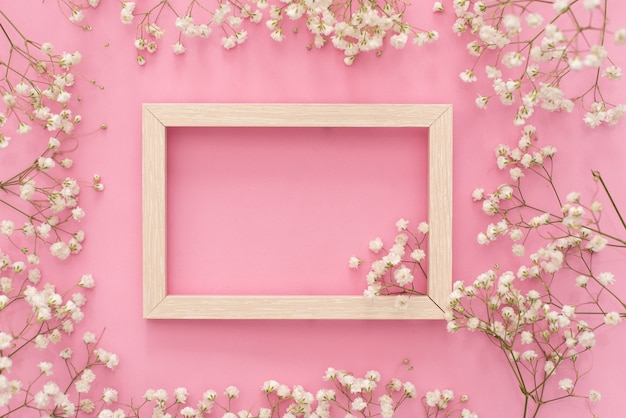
[158, 117]
[296, 115]
[292, 307]
[154, 201]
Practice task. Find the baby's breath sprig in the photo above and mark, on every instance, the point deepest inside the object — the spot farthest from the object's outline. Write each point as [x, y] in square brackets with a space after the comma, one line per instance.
[353, 28]
[543, 314]
[401, 268]
[532, 50]
[74, 10]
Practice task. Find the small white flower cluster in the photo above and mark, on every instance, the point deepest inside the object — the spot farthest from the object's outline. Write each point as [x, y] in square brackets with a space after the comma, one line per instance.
[394, 273]
[52, 398]
[540, 331]
[37, 90]
[524, 159]
[354, 395]
[353, 29]
[157, 400]
[52, 320]
[363, 29]
[42, 99]
[536, 52]
[74, 10]
[439, 400]
[572, 230]
[526, 326]
[228, 17]
[51, 211]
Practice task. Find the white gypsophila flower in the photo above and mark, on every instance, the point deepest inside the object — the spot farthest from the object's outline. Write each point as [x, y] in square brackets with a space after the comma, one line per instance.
[89, 337]
[270, 386]
[180, 395]
[4, 140]
[468, 76]
[402, 224]
[527, 337]
[423, 228]
[478, 194]
[612, 318]
[620, 36]
[178, 48]
[161, 395]
[188, 412]
[372, 291]
[518, 250]
[60, 250]
[576, 64]
[594, 396]
[433, 398]
[267, 413]
[409, 390]
[379, 267]
[376, 245]
[466, 413]
[549, 367]
[82, 386]
[399, 246]
[399, 40]
[5, 340]
[418, 254]
[359, 404]
[87, 281]
[66, 353]
[560, 6]
[4, 300]
[78, 213]
[566, 384]
[231, 392]
[481, 101]
[32, 259]
[401, 302]
[596, 56]
[452, 327]
[612, 72]
[606, 278]
[573, 197]
[7, 227]
[591, 4]
[400, 242]
[277, 35]
[473, 323]
[354, 262]
[587, 339]
[392, 259]
[18, 266]
[490, 206]
[529, 355]
[438, 7]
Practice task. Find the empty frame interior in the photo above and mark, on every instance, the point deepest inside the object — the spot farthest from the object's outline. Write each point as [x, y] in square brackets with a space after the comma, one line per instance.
[158, 117]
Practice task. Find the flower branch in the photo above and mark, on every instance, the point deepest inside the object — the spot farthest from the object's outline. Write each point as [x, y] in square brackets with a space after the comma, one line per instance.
[532, 50]
[394, 273]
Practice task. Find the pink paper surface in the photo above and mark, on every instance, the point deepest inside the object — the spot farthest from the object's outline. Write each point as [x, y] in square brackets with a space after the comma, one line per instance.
[276, 210]
[224, 223]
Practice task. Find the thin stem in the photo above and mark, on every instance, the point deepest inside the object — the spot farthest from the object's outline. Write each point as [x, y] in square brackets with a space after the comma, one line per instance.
[597, 176]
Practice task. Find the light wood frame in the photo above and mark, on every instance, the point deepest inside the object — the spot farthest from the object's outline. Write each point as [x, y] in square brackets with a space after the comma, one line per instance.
[158, 117]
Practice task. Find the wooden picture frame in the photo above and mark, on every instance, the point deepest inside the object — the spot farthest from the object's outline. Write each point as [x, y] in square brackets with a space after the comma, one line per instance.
[158, 117]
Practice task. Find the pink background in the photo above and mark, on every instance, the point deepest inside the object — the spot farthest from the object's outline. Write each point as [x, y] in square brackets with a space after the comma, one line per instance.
[275, 211]
[215, 354]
